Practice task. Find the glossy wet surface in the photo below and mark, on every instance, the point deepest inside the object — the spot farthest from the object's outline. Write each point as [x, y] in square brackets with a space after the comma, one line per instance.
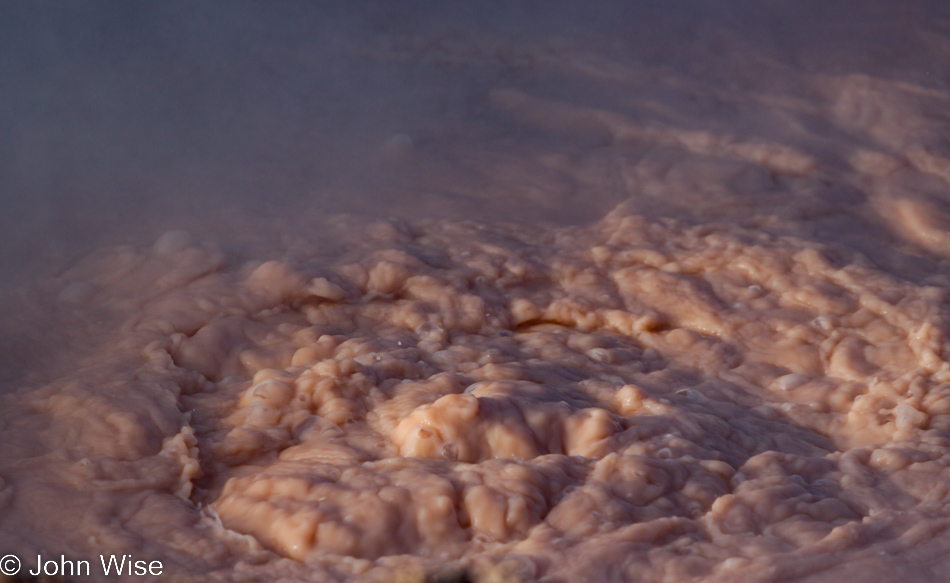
[658, 298]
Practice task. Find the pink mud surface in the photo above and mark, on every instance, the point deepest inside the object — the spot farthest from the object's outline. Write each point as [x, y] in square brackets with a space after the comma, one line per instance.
[617, 295]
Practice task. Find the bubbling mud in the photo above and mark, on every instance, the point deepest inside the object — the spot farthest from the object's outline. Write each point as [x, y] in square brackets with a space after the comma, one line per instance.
[632, 400]
[714, 348]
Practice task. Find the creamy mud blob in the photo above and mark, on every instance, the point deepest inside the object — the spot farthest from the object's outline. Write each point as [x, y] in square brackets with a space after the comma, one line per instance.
[635, 400]
[722, 358]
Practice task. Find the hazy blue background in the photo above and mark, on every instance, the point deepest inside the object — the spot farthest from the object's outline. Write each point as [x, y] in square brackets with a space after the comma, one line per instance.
[119, 120]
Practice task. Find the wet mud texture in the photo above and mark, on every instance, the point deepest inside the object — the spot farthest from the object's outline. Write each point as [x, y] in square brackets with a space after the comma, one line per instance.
[665, 306]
